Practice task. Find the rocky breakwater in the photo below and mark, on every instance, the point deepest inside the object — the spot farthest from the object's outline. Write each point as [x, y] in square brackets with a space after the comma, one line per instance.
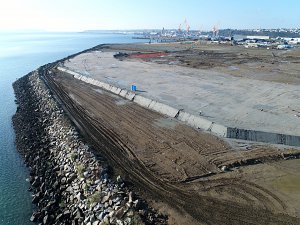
[68, 184]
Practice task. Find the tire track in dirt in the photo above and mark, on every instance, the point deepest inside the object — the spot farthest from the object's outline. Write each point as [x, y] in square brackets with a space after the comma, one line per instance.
[204, 209]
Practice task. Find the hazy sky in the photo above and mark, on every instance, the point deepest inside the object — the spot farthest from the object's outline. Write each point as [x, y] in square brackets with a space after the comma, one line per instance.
[77, 15]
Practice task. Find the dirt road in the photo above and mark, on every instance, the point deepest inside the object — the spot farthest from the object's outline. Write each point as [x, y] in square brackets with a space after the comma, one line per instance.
[159, 156]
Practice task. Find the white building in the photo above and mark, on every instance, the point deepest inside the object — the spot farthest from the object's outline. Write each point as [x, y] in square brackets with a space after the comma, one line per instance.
[258, 37]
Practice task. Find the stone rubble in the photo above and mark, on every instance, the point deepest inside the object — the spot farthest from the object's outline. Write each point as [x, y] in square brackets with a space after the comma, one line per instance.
[69, 185]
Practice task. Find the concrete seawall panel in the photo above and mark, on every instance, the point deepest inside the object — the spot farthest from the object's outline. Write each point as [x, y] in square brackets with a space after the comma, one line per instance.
[123, 93]
[115, 90]
[262, 136]
[195, 121]
[142, 101]
[127, 94]
[163, 109]
[219, 130]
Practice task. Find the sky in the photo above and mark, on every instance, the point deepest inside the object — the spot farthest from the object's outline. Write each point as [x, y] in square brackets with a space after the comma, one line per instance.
[79, 15]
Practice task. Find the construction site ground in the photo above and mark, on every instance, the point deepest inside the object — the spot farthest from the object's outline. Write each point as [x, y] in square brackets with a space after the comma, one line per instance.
[177, 168]
[254, 89]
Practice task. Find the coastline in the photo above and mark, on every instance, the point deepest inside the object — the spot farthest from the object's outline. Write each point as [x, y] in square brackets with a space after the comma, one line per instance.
[69, 185]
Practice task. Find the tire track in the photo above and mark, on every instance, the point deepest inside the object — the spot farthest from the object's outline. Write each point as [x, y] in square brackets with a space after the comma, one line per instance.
[205, 209]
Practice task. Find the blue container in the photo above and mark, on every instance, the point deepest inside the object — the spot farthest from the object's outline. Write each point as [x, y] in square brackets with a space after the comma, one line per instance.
[133, 88]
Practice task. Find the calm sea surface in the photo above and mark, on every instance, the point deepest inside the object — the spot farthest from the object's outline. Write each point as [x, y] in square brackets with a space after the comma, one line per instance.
[21, 53]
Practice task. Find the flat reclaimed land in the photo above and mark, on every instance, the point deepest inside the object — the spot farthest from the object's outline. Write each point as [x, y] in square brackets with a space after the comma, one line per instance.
[177, 168]
[254, 89]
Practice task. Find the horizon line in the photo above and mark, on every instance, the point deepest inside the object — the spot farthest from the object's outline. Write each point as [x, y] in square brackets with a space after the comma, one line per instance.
[130, 29]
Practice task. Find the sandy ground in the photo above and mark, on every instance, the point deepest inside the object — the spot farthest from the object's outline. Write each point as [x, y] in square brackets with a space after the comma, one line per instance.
[176, 167]
[236, 91]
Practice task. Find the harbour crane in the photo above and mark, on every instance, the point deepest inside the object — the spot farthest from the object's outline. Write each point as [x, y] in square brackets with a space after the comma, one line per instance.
[179, 28]
[215, 31]
[187, 26]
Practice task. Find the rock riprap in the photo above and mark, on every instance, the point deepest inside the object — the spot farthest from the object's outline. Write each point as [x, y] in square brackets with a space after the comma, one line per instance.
[68, 184]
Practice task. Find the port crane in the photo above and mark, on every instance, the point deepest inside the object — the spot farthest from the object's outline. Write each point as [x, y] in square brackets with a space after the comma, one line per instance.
[215, 31]
[179, 28]
[187, 26]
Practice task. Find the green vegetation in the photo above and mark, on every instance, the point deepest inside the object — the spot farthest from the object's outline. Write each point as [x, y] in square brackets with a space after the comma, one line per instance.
[80, 169]
[62, 204]
[94, 198]
[74, 156]
[136, 219]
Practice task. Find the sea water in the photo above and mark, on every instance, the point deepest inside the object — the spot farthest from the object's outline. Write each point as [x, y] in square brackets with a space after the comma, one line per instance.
[21, 53]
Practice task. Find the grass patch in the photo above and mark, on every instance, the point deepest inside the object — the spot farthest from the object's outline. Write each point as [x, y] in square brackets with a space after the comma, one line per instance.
[74, 156]
[80, 169]
[62, 204]
[94, 198]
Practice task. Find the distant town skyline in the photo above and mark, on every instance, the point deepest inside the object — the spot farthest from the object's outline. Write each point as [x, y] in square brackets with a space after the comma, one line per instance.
[78, 15]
